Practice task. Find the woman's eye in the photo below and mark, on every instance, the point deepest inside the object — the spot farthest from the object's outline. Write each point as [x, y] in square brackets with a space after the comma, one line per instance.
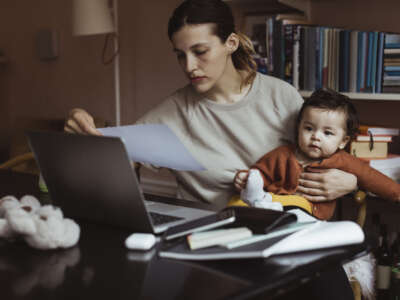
[199, 53]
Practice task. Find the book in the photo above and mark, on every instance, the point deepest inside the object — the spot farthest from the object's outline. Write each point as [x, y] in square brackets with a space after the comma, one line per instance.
[313, 236]
[371, 138]
[379, 67]
[390, 166]
[367, 149]
[375, 46]
[353, 61]
[344, 60]
[376, 130]
[199, 240]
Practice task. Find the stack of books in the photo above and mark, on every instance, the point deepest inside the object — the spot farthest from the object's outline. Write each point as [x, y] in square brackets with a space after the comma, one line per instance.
[372, 145]
[391, 79]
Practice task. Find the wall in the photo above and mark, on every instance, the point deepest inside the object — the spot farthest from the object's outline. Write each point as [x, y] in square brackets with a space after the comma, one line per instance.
[31, 89]
[152, 72]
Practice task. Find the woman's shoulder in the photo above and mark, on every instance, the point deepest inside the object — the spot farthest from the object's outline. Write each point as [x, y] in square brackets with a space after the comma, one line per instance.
[170, 107]
[278, 89]
[275, 83]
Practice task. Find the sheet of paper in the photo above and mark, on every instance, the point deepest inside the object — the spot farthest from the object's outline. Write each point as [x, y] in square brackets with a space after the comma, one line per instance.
[155, 144]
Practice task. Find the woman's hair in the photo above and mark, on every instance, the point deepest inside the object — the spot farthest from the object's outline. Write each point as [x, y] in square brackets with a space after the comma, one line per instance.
[218, 13]
[334, 101]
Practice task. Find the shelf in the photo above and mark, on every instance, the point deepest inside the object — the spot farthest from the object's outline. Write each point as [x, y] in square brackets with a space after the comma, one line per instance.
[363, 96]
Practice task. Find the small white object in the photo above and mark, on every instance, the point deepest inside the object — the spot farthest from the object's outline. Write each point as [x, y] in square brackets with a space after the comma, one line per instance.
[42, 227]
[140, 241]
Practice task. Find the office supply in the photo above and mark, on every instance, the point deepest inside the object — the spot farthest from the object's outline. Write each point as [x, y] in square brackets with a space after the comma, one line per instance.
[155, 144]
[199, 240]
[283, 230]
[219, 219]
[91, 177]
[315, 236]
[140, 241]
[261, 220]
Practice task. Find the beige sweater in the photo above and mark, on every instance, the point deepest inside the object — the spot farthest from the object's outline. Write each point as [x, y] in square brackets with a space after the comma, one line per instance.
[226, 138]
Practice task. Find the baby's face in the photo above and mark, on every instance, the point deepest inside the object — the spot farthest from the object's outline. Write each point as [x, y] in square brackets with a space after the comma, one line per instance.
[322, 132]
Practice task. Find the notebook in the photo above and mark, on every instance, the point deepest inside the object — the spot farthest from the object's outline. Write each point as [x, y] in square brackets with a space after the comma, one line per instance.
[92, 178]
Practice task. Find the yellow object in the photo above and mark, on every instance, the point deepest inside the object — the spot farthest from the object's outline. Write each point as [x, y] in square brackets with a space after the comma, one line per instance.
[285, 200]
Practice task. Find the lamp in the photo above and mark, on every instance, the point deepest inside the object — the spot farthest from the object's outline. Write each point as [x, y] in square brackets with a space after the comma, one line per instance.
[90, 17]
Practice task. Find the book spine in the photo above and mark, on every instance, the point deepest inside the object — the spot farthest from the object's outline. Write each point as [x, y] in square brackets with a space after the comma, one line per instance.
[379, 67]
[353, 61]
[217, 237]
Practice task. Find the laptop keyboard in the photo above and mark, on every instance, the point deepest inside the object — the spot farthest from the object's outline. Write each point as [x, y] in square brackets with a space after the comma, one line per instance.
[159, 219]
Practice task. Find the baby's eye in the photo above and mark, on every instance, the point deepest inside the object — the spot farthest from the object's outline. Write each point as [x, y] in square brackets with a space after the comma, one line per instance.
[308, 128]
[329, 133]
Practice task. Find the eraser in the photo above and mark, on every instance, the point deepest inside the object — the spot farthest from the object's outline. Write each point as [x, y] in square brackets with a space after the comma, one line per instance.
[140, 241]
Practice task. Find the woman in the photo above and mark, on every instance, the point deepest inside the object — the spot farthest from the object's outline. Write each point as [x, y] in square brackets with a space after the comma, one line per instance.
[228, 115]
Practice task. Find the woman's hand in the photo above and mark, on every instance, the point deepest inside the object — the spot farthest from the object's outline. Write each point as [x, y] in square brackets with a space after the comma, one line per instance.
[318, 185]
[79, 121]
[240, 180]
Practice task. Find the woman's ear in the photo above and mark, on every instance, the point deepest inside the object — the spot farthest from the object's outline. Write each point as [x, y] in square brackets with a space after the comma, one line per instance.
[343, 144]
[232, 42]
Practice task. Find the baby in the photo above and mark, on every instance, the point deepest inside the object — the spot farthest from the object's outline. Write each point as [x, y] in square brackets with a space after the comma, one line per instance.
[326, 122]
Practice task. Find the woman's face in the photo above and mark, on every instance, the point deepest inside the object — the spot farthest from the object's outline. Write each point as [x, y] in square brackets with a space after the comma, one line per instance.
[202, 55]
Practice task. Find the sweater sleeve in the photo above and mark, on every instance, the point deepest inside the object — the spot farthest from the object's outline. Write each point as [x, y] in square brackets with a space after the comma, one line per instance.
[370, 179]
[279, 170]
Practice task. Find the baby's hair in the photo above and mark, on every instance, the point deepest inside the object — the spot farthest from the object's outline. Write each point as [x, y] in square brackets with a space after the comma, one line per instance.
[331, 100]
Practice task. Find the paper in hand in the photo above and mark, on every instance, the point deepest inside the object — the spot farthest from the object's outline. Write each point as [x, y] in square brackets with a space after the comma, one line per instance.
[155, 144]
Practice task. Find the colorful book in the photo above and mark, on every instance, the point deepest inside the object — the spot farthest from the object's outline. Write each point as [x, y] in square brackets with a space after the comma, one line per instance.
[369, 57]
[379, 67]
[375, 37]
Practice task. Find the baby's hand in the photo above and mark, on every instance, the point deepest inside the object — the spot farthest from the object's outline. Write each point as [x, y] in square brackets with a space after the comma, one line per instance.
[240, 179]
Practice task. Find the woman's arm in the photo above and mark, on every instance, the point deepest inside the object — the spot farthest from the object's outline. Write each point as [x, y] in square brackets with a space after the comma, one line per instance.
[80, 121]
[320, 185]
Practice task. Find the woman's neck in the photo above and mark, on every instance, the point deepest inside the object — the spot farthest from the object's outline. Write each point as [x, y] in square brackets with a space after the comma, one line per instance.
[229, 89]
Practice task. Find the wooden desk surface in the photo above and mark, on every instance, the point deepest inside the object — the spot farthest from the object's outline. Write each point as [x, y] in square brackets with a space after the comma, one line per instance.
[100, 267]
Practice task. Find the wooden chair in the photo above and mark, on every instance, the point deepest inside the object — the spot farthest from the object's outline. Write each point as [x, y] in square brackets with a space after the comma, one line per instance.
[19, 160]
[360, 199]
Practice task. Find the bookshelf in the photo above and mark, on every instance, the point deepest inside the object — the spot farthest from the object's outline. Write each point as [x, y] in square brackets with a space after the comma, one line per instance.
[363, 96]
[363, 15]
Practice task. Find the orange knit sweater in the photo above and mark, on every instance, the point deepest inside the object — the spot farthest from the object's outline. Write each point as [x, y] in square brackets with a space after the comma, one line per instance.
[281, 171]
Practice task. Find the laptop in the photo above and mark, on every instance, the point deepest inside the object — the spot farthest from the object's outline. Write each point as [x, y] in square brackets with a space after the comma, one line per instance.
[92, 178]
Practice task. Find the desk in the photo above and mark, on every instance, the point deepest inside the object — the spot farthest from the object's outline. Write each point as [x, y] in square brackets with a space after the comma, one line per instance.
[100, 267]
